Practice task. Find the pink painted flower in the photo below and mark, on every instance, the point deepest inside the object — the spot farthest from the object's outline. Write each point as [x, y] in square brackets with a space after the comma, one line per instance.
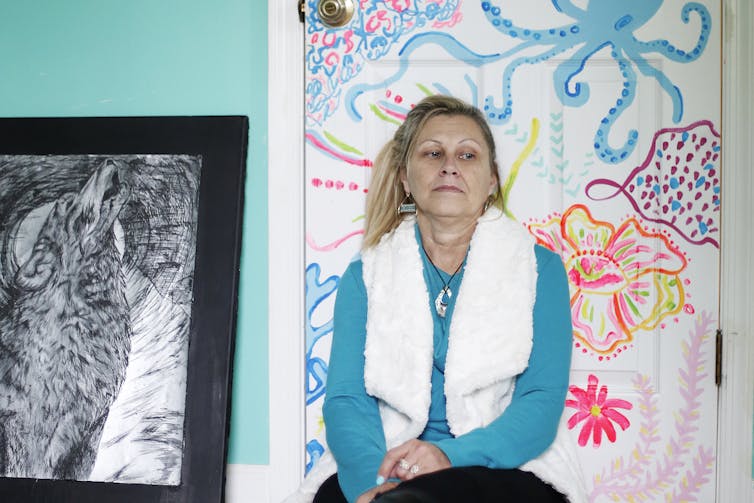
[597, 412]
[622, 279]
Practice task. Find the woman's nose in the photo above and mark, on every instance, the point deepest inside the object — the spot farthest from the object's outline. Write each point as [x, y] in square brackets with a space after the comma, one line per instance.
[449, 166]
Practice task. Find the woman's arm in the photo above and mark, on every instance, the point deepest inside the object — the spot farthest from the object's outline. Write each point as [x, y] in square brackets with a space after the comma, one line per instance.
[353, 425]
[529, 424]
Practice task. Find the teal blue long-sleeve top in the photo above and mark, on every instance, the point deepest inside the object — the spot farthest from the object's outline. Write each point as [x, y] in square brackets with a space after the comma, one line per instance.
[523, 431]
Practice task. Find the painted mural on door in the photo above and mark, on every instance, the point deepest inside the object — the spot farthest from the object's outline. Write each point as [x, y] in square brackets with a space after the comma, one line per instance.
[606, 115]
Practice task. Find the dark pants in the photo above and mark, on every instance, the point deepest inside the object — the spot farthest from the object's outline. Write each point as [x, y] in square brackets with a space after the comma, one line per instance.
[475, 484]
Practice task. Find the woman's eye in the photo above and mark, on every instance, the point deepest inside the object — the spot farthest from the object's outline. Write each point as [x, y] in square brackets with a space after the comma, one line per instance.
[433, 154]
[467, 156]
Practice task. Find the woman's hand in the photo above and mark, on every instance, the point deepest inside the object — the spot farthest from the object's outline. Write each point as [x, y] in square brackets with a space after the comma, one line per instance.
[411, 459]
[369, 495]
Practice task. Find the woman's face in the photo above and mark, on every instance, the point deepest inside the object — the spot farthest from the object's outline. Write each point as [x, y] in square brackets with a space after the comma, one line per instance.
[449, 171]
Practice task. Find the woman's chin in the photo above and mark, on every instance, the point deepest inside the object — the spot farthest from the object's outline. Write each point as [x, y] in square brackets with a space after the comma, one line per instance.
[450, 212]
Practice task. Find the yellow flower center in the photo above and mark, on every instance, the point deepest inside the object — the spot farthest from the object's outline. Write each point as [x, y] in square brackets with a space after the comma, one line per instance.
[596, 410]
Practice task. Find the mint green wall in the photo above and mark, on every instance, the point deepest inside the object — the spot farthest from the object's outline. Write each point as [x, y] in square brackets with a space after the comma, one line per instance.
[161, 57]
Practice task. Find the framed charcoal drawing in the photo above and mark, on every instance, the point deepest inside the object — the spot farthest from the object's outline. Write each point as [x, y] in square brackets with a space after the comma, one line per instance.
[119, 259]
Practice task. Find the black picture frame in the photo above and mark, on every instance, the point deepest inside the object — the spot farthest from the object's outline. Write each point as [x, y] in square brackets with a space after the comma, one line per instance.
[222, 142]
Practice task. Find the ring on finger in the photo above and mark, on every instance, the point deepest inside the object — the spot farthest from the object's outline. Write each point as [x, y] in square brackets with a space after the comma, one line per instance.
[403, 465]
[414, 469]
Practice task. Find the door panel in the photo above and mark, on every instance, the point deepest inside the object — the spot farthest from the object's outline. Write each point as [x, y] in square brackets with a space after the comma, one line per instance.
[606, 115]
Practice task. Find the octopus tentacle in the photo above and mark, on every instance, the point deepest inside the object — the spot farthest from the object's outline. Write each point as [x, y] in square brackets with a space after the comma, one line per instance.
[601, 142]
[506, 27]
[501, 114]
[565, 73]
[665, 48]
[672, 90]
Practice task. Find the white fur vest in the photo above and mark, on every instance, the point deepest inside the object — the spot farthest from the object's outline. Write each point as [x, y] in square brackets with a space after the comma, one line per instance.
[498, 290]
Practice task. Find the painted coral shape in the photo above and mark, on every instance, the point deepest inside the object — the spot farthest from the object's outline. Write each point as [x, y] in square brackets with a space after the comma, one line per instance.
[597, 412]
[622, 279]
[648, 474]
[316, 293]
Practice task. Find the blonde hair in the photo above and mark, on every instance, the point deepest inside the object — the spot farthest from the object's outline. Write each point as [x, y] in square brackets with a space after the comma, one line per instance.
[386, 189]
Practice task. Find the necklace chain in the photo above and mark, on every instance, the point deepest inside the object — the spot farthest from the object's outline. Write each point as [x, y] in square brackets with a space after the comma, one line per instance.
[441, 305]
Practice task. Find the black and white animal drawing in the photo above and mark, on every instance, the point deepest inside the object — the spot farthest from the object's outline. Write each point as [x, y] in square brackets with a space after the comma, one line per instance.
[96, 282]
[65, 336]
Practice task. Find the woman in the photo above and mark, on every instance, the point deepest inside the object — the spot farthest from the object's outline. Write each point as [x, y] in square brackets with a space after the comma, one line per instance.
[452, 337]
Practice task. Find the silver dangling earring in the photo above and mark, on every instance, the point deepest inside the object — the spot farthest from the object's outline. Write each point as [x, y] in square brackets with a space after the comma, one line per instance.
[407, 205]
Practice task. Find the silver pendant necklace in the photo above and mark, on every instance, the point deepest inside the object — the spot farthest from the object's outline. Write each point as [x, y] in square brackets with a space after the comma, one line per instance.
[441, 305]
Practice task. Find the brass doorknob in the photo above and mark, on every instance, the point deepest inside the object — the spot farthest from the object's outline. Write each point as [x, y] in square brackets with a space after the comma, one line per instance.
[335, 13]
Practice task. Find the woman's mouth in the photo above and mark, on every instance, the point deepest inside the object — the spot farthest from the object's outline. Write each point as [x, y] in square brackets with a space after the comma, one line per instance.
[448, 188]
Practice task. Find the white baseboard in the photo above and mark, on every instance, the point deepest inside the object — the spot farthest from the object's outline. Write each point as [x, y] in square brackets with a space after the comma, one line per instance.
[247, 484]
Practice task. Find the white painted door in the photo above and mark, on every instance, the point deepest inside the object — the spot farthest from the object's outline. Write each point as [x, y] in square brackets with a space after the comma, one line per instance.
[607, 119]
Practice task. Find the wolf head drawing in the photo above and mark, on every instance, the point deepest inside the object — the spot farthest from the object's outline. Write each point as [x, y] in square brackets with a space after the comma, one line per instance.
[65, 338]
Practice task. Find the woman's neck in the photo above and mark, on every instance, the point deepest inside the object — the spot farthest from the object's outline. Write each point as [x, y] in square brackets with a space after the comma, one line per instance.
[445, 244]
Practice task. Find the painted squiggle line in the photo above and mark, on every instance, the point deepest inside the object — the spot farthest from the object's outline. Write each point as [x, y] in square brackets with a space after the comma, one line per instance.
[376, 110]
[342, 145]
[331, 246]
[632, 480]
[454, 19]
[320, 144]
[424, 89]
[395, 111]
[516, 166]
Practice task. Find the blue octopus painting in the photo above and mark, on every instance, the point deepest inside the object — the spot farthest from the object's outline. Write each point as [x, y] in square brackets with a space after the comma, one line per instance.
[601, 24]
[604, 23]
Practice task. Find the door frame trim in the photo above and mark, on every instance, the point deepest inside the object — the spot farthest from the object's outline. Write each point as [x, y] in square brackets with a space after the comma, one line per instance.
[736, 394]
[285, 168]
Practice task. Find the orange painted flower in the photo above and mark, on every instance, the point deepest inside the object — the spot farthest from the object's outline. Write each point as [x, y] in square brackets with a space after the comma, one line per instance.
[621, 279]
[597, 412]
